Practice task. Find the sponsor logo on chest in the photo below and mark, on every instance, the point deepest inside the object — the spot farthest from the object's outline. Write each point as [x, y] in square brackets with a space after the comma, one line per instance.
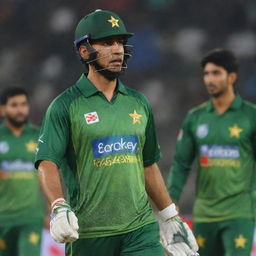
[17, 165]
[220, 155]
[116, 144]
[220, 151]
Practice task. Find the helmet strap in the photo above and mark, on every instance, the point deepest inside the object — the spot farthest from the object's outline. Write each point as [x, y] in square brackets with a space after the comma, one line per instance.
[92, 53]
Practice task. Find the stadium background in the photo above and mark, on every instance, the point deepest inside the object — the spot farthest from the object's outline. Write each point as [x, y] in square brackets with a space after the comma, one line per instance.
[36, 52]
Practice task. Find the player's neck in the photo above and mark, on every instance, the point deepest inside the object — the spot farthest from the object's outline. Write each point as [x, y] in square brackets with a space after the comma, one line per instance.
[16, 131]
[222, 103]
[104, 85]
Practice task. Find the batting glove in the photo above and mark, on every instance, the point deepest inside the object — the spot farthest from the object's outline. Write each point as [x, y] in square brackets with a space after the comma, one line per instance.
[176, 235]
[64, 223]
[180, 249]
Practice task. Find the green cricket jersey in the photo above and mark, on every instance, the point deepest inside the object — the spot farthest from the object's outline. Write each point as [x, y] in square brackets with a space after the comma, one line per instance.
[224, 146]
[20, 200]
[102, 148]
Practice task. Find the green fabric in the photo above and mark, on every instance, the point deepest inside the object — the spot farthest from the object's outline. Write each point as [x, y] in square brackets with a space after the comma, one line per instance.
[224, 146]
[20, 200]
[24, 240]
[100, 24]
[226, 238]
[102, 148]
[141, 242]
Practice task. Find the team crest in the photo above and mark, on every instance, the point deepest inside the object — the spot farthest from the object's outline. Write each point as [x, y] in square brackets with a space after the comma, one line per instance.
[114, 22]
[202, 130]
[235, 131]
[31, 146]
[136, 117]
[91, 118]
[4, 147]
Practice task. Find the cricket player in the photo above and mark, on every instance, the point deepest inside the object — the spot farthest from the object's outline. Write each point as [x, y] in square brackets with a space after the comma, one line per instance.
[221, 135]
[21, 211]
[99, 135]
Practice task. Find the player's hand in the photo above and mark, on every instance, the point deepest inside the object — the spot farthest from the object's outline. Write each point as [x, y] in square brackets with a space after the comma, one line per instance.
[176, 235]
[180, 249]
[64, 223]
[177, 249]
[176, 231]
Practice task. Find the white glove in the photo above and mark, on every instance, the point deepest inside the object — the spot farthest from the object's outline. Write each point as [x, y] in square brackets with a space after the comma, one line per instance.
[176, 235]
[64, 223]
[176, 231]
[177, 248]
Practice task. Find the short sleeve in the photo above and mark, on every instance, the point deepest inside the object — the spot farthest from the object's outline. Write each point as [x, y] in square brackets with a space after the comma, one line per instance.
[151, 150]
[54, 134]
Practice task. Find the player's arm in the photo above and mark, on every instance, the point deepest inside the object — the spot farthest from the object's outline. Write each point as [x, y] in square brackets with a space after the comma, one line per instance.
[165, 211]
[63, 224]
[183, 159]
[52, 145]
[156, 188]
[49, 179]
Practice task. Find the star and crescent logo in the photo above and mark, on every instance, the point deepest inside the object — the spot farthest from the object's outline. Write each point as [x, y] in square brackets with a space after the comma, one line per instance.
[200, 241]
[114, 22]
[31, 146]
[235, 131]
[240, 241]
[136, 117]
[33, 238]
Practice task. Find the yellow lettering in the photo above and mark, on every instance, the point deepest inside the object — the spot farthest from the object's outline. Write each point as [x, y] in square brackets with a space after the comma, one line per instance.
[127, 159]
[22, 175]
[224, 162]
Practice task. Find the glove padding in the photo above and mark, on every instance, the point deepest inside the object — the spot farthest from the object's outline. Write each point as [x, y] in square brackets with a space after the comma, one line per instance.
[180, 249]
[64, 226]
[177, 238]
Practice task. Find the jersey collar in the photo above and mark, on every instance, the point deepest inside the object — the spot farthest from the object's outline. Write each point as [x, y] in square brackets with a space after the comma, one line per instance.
[88, 89]
[235, 105]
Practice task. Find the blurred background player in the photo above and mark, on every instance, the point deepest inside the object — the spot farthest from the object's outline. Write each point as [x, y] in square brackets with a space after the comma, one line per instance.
[221, 135]
[21, 211]
[102, 135]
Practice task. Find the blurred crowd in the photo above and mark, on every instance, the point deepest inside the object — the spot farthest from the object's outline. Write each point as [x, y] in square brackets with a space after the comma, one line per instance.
[37, 53]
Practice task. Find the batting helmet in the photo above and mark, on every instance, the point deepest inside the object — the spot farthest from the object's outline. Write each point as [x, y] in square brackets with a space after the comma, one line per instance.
[99, 24]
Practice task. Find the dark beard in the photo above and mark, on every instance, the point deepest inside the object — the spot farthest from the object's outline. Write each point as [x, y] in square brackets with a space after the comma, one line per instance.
[216, 95]
[109, 75]
[16, 123]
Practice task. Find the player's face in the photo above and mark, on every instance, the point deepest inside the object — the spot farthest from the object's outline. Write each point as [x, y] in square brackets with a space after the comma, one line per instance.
[216, 79]
[16, 110]
[110, 53]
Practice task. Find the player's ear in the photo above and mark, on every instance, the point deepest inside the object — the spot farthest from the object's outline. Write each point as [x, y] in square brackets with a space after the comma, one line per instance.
[83, 52]
[2, 110]
[232, 77]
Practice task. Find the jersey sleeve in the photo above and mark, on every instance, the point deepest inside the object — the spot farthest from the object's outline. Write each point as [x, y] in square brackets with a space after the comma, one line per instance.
[54, 134]
[183, 160]
[151, 150]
